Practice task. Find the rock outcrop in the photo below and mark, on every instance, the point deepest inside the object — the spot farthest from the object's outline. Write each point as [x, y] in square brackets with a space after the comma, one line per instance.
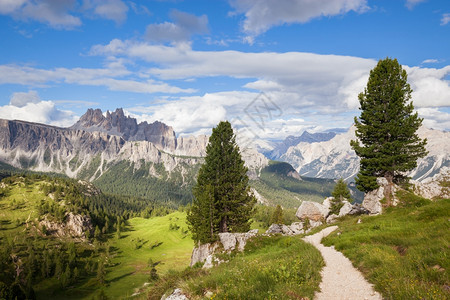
[372, 199]
[73, 226]
[312, 211]
[293, 229]
[435, 187]
[204, 253]
[335, 158]
[176, 295]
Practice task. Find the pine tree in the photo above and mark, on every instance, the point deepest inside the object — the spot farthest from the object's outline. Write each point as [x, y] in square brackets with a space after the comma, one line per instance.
[222, 199]
[277, 216]
[386, 130]
[340, 193]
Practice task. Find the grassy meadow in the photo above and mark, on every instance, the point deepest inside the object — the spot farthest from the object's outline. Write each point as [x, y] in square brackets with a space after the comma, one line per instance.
[405, 252]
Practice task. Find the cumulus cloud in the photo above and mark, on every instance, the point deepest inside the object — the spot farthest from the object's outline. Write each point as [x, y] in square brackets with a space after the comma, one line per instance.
[311, 85]
[20, 99]
[115, 10]
[183, 27]
[55, 13]
[262, 15]
[435, 118]
[430, 88]
[29, 107]
[445, 19]
[63, 14]
[108, 77]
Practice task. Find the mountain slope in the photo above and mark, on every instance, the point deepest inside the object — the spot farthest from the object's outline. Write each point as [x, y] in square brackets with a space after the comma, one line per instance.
[335, 158]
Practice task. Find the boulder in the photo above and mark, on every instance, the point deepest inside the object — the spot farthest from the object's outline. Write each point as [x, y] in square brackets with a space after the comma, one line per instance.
[345, 209]
[312, 210]
[327, 202]
[297, 228]
[229, 241]
[372, 199]
[279, 228]
[202, 251]
[314, 224]
[357, 209]
[176, 295]
[332, 218]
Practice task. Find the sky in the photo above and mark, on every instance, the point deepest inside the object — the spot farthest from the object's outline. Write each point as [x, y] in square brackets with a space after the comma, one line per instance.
[273, 68]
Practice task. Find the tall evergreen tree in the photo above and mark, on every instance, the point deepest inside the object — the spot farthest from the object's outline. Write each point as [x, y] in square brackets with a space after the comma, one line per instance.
[386, 130]
[277, 216]
[339, 193]
[222, 199]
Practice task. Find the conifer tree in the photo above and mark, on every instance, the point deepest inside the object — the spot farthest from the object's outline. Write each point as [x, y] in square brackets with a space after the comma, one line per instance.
[222, 199]
[277, 216]
[339, 193]
[386, 130]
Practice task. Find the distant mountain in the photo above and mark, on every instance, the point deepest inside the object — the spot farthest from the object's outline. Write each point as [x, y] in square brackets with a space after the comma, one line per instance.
[291, 140]
[335, 158]
[115, 152]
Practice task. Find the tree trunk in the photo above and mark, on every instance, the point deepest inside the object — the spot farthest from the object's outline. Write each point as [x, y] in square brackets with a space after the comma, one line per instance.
[388, 188]
[223, 224]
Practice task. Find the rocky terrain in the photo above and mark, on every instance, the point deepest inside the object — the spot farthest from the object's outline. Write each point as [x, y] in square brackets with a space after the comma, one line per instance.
[96, 142]
[335, 158]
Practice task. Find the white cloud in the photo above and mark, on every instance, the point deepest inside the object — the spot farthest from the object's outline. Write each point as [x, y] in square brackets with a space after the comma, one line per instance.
[64, 14]
[430, 88]
[9, 6]
[435, 118]
[40, 112]
[411, 3]
[20, 99]
[115, 10]
[430, 61]
[264, 14]
[184, 26]
[445, 19]
[324, 83]
[52, 12]
[13, 74]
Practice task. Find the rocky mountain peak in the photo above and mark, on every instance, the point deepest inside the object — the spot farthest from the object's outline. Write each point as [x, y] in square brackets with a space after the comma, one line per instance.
[116, 123]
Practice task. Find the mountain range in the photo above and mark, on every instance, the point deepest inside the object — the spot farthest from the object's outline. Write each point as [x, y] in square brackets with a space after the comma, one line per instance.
[123, 156]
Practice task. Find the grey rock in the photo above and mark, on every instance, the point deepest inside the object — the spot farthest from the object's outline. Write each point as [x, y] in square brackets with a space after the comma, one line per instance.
[314, 224]
[229, 241]
[327, 202]
[332, 218]
[345, 209]
[357, 209]
[176, 295]
[73, 226]
[372, 199]
[202, 251]
[297, 228]
[312, 210]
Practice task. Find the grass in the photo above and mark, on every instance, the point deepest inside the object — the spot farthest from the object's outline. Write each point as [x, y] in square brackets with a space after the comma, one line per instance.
[269, 268]
[144, 239]
[404, 252]
[163, 239]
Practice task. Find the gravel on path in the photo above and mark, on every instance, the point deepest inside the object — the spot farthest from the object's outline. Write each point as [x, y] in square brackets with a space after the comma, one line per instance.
[340, 280]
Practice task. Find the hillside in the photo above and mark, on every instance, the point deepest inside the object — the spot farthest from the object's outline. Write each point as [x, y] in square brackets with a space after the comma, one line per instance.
[62, 238]
[279, 183]
[403, 252]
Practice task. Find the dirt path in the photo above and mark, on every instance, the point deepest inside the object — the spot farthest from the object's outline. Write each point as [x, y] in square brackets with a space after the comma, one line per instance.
[340, 280]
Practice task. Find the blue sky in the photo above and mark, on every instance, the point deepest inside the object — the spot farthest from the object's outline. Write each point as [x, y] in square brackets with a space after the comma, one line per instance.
[191, 64]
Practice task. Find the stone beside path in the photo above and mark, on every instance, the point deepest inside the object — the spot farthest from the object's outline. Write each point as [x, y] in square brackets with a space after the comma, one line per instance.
[340, 280]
